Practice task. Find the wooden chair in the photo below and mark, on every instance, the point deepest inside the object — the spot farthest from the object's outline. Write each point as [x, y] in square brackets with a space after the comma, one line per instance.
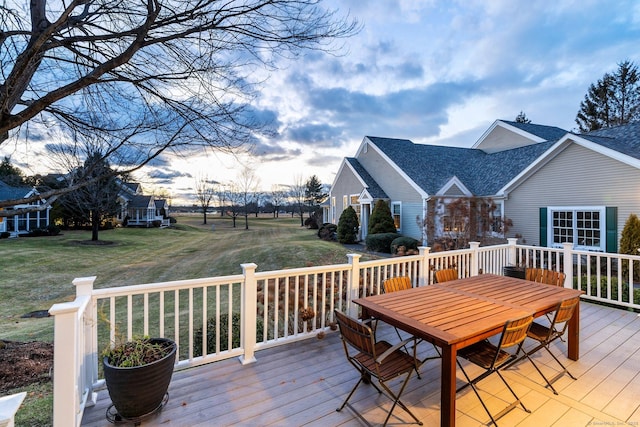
[545, 335]
[492, 358]
[541, 275]
[401, 283]
[446, 275]
[395, 284]
[379, 360]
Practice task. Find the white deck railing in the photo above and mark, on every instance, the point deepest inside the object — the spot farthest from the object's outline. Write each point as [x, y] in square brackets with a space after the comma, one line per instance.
[234, 316]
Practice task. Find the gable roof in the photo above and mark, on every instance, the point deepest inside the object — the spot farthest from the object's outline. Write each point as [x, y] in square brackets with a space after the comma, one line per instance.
[7, 192]
[374, 190]
[431, 167]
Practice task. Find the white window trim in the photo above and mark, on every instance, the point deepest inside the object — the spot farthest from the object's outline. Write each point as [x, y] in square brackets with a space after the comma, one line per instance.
[399, 229]
[603, 225]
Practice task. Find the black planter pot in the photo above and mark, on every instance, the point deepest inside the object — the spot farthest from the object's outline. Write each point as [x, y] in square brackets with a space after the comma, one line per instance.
[517, 272]
[139, 391]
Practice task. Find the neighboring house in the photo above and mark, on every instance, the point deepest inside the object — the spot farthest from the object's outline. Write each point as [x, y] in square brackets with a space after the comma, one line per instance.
[138, 210]
[22, 223]
[554, 185]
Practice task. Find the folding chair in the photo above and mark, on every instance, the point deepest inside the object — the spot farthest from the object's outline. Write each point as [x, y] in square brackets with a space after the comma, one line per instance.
[492, 358]
[446, 275]
[541, 275]
[545, 335]
[549, 277]
[379, 360]
[401, 283]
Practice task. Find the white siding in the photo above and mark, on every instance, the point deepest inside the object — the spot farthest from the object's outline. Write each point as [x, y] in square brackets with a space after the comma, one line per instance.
[576, 177]
[393, 184]
[345, 185]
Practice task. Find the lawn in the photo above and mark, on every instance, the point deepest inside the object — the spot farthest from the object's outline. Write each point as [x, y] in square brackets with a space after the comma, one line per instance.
[37, 272]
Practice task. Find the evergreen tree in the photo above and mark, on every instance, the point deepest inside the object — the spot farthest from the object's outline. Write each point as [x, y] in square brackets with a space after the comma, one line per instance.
[522, 118]
[381, 220]
[313, 194]
[10, 174]
[348, 226]
[630, 242]
[613, 100]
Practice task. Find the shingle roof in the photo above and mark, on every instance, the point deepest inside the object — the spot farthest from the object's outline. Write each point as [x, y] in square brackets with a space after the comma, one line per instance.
[372, 186]
[624, 139]
[548, 133]
[8, 192]
[139, 201]
[432, 166]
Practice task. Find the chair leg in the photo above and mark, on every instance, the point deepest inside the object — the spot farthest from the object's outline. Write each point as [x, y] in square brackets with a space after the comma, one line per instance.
[396, 400]
[350, 394]
[564, 369]
[473, 383]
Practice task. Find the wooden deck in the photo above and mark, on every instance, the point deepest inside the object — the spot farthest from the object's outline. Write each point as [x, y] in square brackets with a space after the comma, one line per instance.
[303, 383]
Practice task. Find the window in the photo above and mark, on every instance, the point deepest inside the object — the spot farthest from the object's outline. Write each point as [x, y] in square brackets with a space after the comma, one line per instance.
[396, 213]
[584, 227]
[354, 202]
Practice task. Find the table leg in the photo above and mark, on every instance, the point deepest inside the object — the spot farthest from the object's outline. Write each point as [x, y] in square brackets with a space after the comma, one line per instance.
[448, 387]
[573, 344]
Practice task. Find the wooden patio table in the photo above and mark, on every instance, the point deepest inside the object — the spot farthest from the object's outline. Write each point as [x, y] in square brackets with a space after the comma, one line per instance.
[458, 313]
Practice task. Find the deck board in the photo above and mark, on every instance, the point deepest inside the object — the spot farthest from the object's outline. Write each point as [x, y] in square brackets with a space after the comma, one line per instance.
[302, 384]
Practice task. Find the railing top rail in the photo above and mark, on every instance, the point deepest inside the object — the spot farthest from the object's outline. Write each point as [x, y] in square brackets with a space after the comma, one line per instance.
[167, 286]
[388, 261]
[301, 271]
[77, 305]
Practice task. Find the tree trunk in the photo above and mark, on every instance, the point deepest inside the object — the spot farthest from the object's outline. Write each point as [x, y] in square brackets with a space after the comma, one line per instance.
[246, 221]
[95, 225]
[204, 216]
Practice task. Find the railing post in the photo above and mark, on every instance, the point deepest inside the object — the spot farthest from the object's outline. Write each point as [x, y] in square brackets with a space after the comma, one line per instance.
[249, 313]
[512, 255]
[8, 407]
[475, 259]
[89, 328]
[423, 274]
[354, 284]
[567, 264]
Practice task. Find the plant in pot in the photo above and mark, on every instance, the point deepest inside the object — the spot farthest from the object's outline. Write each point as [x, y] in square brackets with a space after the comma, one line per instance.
[137, 374]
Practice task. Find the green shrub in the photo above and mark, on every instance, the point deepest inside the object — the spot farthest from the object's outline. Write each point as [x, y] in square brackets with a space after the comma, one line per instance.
[380, 242]
[407, 242]
[224, 334]
[53, 230]
[348, 226]
[328, 231]
[381, 220]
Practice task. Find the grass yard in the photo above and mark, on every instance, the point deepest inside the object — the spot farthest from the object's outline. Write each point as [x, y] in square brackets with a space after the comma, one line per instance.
[37, 272]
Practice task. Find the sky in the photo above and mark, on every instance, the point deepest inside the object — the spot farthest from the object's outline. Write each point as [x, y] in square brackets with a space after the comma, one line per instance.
[435, 72]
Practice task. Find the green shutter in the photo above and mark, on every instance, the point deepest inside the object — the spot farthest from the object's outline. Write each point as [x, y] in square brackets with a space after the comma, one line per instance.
[612, 229]
[543, 226]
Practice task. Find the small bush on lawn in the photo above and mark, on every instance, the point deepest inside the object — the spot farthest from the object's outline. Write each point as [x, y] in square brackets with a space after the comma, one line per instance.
[4, 235]
[224, 334]
[328, 232]
[380, 242]
[409, 243]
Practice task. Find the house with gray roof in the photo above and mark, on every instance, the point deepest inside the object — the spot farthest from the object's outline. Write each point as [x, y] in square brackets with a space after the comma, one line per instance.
[140, 210]
[24, 217]
[554, 186]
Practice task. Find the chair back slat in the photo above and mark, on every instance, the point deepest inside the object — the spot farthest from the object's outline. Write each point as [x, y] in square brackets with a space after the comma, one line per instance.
[356, 334]
[515, 331]
[542, 275]
[446, 275]
[395, 284]
[565, 310]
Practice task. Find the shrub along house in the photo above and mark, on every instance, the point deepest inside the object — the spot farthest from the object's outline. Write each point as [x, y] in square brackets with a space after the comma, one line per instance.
[554, 185]
[22, 223]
